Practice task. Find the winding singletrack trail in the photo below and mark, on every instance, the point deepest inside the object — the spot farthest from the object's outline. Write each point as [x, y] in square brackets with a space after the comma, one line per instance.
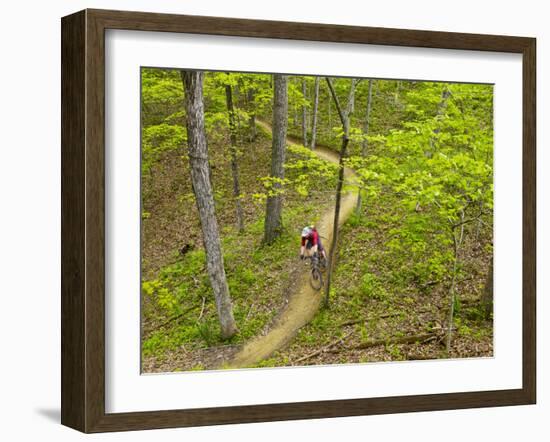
[304, 302]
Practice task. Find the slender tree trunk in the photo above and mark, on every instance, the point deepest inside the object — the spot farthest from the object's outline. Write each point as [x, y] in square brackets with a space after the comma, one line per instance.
[442, 106]
[315, 111]
[397, 90]
[364, 147]
[351, 97]
[200, 178]
[234, 163]
[295, 106]
[304, 113]
[487, 296]
[351, 102]
[252, 115]
[273, 216]
[329, 112]
[332, 253]
[344, 119]
[450, 320]
[440, 111]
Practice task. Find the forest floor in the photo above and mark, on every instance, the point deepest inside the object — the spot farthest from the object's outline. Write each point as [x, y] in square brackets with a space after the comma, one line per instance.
[379, 311]
[180, 329]
[371, 317]
[304, 301]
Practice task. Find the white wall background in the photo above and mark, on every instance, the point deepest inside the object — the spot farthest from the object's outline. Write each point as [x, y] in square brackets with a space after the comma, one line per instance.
[30, 217]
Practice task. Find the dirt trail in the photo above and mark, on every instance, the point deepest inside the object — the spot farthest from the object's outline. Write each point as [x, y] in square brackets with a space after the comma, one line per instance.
[305, 301]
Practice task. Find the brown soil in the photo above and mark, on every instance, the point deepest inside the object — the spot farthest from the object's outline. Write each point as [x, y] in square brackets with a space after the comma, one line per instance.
[304, 302]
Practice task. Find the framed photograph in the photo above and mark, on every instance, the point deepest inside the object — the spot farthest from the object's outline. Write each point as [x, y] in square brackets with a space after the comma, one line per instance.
[266, 221]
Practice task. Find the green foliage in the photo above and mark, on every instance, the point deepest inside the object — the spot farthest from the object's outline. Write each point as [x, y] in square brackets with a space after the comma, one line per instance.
[207, 333]
[354, 220]
[160, 138]
[251, 270]
[439, 165]
[306, 171]
[372, 287]
[395, 352]
[428, 167]
[160, 89]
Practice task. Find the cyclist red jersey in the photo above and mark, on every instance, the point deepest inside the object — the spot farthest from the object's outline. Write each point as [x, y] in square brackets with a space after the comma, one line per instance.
[312, 237]
[311, 241]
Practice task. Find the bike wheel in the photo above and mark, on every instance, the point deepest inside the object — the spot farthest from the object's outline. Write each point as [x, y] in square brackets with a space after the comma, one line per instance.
[316, 279]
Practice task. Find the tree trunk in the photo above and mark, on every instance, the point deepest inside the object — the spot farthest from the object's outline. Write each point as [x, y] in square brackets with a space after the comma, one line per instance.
[274, 205]
[397, 90]
[252, 115]
[234, 163]
[304, 113]
[450, 320]
[351, 97]
[200, 178]
[364, 147]
[295, 106]
[315, 110]
[487, 296]
[440, 110]
[332, 254]
[329, 112]
[344, 119]
[351, 103]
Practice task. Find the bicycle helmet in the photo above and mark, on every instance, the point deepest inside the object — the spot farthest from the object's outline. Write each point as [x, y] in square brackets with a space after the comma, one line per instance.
[305, 231]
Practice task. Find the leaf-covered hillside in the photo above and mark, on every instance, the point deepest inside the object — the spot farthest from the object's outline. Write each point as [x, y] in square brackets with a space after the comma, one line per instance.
[413, 265]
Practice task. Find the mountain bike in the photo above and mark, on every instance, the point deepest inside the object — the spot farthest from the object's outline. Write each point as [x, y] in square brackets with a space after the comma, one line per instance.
[316, 276]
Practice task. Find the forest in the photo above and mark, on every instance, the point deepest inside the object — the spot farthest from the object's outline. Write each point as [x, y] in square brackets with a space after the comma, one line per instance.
[394, 176]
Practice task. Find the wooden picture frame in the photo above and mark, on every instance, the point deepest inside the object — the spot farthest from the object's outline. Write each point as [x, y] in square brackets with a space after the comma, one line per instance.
[83, 220]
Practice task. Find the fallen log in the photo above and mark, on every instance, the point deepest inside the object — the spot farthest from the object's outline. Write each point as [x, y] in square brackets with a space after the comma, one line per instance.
[323, 349]
[382, 316]
[358, 321]
[172, 319]
[415, 357]
[399, 340]
[386, 341]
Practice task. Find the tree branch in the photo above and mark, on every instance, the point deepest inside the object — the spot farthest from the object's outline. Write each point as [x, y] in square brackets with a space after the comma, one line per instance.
[336, 102]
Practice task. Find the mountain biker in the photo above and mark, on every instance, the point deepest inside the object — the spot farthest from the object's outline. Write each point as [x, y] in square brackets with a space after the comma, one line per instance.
[311, 241]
